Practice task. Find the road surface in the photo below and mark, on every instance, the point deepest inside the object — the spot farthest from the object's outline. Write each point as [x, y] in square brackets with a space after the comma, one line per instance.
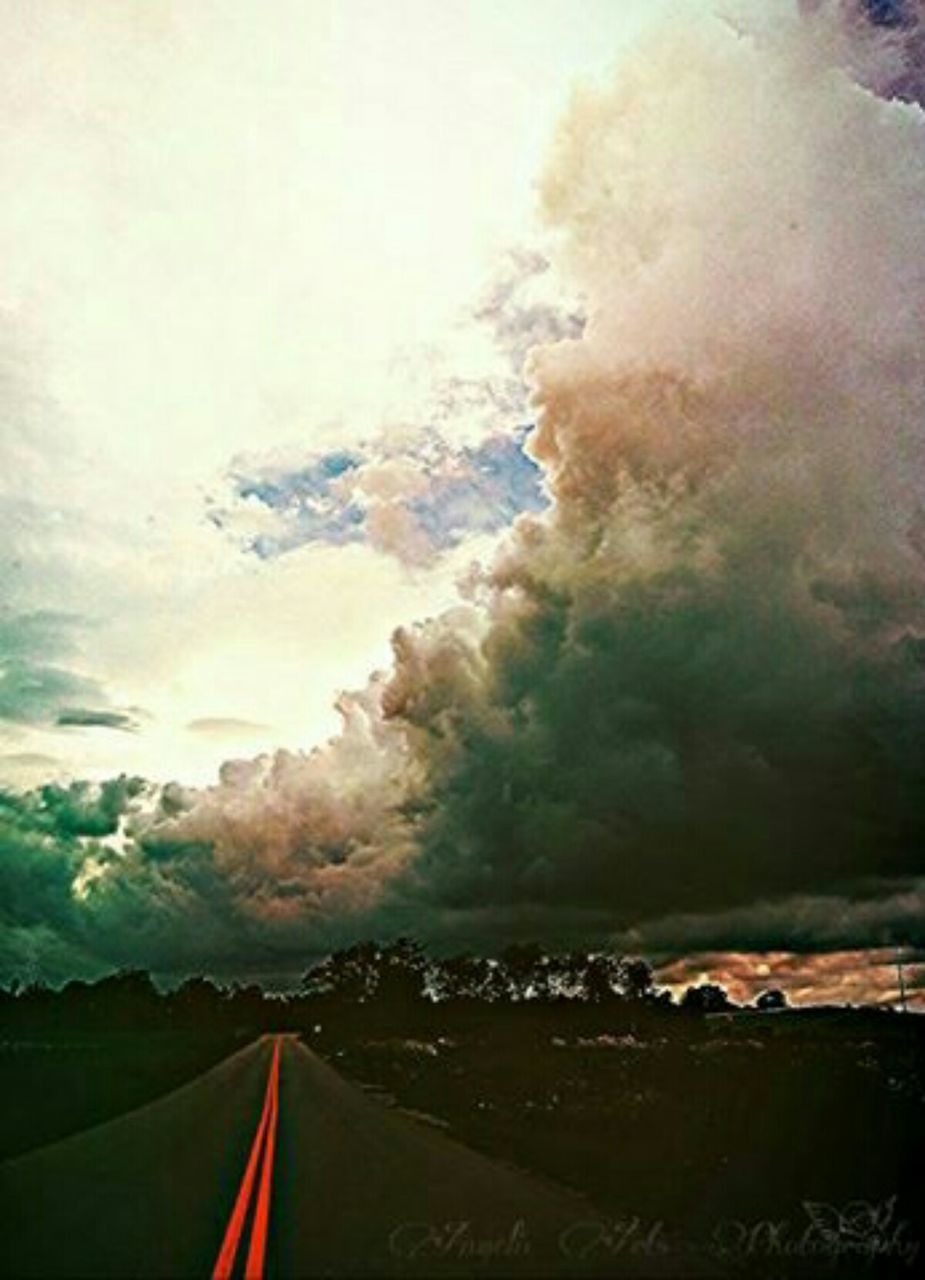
[273, 1165]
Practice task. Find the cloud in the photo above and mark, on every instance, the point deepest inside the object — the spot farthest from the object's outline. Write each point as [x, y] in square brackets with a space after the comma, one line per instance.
[84, 718]
[29, 759]
[415, 497]
[684, 704]
[701, 677]
[37, 690]
[226, 727]
[875, 914]
[34, 687]
[838, 977]
[881, 41]
[412, 492]
[522, 307]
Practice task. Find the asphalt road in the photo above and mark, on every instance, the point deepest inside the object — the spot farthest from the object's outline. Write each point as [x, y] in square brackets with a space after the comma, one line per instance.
[349, 1188]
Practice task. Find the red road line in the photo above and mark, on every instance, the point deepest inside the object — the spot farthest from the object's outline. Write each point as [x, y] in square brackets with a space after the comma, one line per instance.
[225, 1262]
[253, 1269]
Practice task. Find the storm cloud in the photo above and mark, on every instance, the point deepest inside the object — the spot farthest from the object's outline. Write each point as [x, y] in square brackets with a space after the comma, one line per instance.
[700, 680]
[684, 705]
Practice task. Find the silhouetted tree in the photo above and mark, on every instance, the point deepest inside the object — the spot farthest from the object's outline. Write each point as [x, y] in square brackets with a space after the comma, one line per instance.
[771, 999]
[637, 979]
[401, 970]
[349, 975]
[468, 977]
[566, 974]
[708, 998]
[602, 978]
[522, 964]
[127, 999]
[197, 1002]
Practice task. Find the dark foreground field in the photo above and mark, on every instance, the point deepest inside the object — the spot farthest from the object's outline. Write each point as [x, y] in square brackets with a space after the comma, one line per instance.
[55, 1083]
[777, 1143]
[746, 1143]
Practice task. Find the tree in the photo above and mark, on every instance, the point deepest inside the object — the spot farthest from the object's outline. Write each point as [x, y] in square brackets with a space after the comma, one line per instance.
[197, 1002]
[401, 973]
[602, 977]
[350, 975]
[523, 964]
[127, 998]
[637, 979]
[707, 998]
[771, 999]
[468, 977]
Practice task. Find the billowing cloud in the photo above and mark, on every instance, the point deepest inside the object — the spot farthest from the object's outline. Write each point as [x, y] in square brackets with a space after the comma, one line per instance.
[701, 681]
[684, 704]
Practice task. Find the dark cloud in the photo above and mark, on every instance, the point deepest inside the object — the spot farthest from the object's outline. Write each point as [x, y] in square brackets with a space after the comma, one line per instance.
[869, 914]
[85, 718]
[691, 739]
[79, 894]
[31, 692]
[43, 847]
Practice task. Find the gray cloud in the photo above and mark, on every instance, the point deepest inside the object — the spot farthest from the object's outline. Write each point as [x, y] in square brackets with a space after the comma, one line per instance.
[880, 914]
[86, 718]
[521, 310]
[36, 687]
[883, 42]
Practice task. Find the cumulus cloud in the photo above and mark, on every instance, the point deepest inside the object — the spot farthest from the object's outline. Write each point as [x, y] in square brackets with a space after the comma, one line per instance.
[702, 681]
[687, 699]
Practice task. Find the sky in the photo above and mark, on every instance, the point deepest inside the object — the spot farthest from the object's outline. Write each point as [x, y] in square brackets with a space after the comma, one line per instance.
[233, 233]
[461, 473]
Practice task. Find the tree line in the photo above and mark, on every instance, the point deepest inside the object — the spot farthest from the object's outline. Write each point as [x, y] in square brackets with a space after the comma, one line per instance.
[393, 978]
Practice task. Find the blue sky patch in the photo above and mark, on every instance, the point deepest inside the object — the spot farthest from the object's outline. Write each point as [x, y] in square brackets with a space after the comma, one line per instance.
[442, 495]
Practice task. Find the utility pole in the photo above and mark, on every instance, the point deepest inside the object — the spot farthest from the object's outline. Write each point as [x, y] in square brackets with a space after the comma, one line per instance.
[902, 981]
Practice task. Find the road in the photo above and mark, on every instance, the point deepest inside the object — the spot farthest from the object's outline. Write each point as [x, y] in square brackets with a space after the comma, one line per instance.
[272, 1164]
